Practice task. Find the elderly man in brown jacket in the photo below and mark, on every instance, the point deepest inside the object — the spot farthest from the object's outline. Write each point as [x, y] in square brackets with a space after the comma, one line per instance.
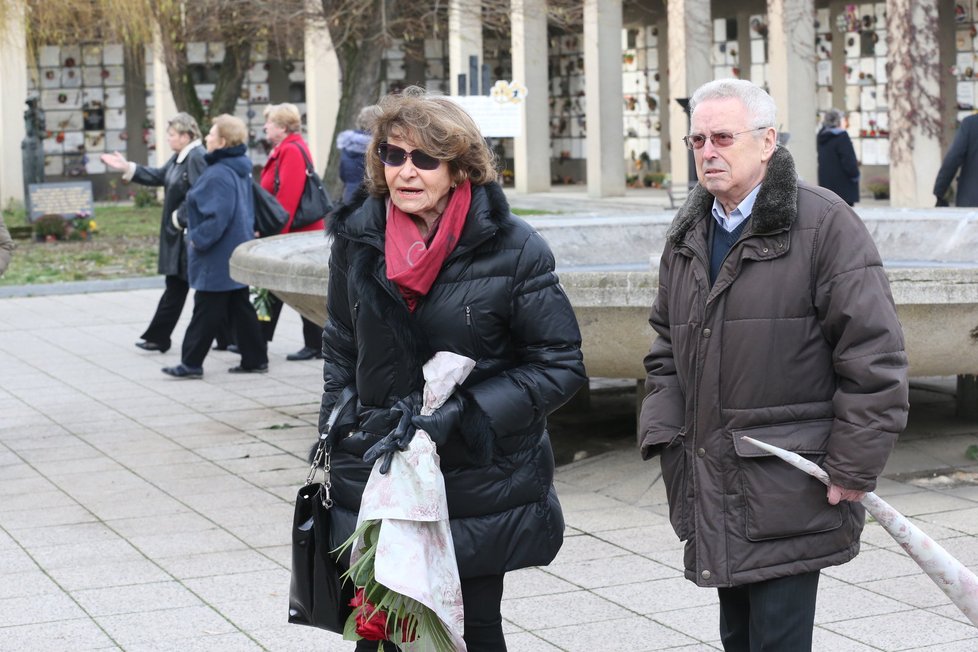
[774, 320]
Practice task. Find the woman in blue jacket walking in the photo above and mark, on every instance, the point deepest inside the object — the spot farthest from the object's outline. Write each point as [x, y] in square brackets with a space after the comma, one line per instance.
[220, 216]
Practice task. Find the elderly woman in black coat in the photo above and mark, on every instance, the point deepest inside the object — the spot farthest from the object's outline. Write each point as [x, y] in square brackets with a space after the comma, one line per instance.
[838, 169]
[435, 261]
[176, 176]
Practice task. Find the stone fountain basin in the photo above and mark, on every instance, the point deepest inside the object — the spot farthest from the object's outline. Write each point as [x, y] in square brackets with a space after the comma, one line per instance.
[608, 267]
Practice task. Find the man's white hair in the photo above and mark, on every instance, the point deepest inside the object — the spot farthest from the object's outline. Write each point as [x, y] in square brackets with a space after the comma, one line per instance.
[760, 105]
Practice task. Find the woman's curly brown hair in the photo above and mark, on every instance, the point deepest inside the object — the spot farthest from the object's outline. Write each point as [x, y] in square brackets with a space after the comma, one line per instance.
[437, 126]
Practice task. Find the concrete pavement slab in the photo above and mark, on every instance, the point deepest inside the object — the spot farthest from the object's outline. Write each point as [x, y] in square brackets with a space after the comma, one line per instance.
[153, 513]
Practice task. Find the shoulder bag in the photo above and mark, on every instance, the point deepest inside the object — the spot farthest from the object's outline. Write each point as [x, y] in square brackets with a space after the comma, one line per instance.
[317, 595]
[315, 202]
[270, 216]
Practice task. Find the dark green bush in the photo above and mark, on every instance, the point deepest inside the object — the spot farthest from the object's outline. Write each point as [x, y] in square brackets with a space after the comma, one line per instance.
[47, 225]
[145, 197]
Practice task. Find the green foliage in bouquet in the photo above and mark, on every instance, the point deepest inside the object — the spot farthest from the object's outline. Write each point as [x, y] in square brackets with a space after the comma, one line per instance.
[380, 613]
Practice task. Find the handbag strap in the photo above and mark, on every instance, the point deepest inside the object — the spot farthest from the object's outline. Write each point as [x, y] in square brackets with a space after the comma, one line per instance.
[309, 169]
[325, 445]
[322, 456]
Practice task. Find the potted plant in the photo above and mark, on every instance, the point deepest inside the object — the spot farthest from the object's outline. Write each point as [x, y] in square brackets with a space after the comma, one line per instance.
[81, 227]
[879, 187]
[48, 228]
[653, 179]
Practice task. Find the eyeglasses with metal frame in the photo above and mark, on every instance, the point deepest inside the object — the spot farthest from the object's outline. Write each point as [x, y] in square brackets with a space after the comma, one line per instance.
[718, 139]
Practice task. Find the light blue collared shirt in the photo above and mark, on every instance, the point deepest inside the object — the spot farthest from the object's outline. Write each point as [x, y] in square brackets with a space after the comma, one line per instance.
[737, 215]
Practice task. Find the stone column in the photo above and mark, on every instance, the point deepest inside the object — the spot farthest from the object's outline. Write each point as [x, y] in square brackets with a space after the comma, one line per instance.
[531, 154]
[791, 78]
[689, 43]
[603, 88]
[464, 41]
[13, 72]
[913, 92]
[323, 90]
[164, 108]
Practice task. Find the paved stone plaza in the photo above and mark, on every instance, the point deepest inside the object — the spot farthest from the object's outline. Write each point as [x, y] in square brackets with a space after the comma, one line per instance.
[139, 512]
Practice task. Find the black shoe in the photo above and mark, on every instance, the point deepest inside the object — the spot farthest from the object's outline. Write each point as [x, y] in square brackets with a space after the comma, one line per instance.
[240, 369]
[220, 347]
[153, 346]
[305, 353]
[233, 348]
[183, 371]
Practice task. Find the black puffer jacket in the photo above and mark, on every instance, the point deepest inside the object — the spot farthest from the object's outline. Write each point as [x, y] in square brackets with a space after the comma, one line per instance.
[497, 301]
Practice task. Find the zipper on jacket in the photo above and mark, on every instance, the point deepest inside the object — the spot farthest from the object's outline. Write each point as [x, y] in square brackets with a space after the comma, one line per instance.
[468, 316]
[356, 310]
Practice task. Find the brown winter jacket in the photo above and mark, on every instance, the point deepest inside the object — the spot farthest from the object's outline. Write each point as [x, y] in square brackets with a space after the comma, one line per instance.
[797, 343]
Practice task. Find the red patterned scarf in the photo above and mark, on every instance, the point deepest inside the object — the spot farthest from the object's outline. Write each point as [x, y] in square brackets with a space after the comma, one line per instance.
[412, 263]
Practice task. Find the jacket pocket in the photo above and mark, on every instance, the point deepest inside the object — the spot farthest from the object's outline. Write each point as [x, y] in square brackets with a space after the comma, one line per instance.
[675, 474]
[780, 500]
[475, 342]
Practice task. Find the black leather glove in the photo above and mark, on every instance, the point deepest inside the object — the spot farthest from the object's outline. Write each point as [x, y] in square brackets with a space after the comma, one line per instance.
[398, 438]
[941, 202]
[442, 422]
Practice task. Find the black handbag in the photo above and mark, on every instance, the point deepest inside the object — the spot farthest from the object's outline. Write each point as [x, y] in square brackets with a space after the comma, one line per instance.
[317, 595]
[270, 216]
[315, 202]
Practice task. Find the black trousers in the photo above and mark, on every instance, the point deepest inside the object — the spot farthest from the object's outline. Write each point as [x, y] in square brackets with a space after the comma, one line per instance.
[167, 312]
[481, 597]
[211, 310]
[312, 333]
[773, 616]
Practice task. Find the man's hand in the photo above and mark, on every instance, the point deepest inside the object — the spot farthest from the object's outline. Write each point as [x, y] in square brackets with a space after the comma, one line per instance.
[837, 494]
[442, 422]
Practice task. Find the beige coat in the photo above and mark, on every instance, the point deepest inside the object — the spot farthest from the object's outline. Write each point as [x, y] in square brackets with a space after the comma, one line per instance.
[797, 343]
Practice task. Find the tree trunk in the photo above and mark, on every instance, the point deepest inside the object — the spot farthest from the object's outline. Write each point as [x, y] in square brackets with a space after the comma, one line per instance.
[177, 66]
[360, 71]
[237, 60]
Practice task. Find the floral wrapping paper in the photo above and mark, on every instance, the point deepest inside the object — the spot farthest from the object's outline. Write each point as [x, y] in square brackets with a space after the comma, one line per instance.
[959, 583]
[415, 553]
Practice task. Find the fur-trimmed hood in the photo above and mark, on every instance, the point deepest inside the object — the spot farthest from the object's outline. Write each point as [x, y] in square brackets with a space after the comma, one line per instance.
[776, 207]
[354, 142]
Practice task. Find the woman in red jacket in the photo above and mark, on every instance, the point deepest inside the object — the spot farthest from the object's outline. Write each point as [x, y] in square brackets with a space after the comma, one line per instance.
[284, 175]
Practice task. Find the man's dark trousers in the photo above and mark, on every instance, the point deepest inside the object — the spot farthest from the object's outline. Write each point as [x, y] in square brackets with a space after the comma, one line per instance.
[772, 616]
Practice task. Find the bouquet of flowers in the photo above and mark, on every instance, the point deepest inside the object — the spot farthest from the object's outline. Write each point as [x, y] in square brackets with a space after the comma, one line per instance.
[262, 300]
[402, 559]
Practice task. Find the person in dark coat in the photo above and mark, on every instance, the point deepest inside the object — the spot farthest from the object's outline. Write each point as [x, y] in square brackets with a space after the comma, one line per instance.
[353, 150]
[774, 319]
[962, 156]
[838, 169]
[176, 176]
[435, 261]
[220, 216]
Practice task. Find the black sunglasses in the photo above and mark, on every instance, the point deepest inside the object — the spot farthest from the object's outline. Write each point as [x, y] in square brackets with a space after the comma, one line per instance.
[394, 156]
